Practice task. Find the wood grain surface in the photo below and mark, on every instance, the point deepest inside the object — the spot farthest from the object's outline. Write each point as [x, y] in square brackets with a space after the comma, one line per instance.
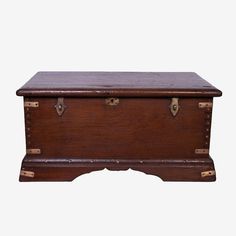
[131, 84]
[136, 128]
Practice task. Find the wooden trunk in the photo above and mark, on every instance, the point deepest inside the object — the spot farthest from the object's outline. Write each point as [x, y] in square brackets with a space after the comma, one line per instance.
[78, 122]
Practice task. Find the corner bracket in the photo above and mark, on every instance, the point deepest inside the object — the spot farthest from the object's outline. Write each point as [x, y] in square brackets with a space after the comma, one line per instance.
[208, 173]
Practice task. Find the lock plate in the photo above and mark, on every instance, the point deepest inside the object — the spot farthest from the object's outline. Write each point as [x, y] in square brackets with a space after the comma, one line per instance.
[112, 101]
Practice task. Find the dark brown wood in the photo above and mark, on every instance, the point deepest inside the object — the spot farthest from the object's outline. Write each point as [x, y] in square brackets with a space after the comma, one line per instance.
[121, 84]
[167, 170]
[76, 133]
[135, 128]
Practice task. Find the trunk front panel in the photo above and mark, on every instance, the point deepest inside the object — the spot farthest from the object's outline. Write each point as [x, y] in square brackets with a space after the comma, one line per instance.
[135, 128]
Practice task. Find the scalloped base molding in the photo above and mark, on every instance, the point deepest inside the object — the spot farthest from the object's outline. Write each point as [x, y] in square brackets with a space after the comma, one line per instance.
[201, 169]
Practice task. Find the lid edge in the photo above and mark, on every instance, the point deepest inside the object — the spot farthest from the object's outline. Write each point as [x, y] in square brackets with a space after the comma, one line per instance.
[119, 92]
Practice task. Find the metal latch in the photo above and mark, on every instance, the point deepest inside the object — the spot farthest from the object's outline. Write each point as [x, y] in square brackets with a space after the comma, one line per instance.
[174, 106]
[60, 106]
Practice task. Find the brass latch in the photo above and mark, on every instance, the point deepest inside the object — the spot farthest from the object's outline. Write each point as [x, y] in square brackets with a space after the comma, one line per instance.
[33, 151]
[208, 173]
[31, 104]
[174, 106]
[27, 173]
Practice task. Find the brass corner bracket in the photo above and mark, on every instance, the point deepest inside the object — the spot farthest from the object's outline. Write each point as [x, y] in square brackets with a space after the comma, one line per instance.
[27, 173]
[208, 173]
[31, 104]
[201, 151]
[205, 104]
[32, 151]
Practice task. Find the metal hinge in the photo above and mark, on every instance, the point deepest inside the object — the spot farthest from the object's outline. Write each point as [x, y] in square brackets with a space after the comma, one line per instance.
[31, 104]
[27, 173]
[208, 173]
[205, 104]
[33, 151]
[201, 151]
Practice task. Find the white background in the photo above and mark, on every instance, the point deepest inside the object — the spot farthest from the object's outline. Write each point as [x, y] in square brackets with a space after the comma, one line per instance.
[112, 36]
